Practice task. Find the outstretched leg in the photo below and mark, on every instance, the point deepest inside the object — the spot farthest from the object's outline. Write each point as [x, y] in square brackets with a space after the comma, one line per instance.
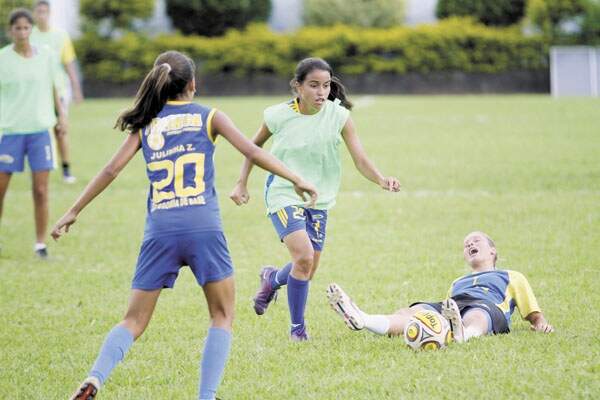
[119, 340]
[356, 319]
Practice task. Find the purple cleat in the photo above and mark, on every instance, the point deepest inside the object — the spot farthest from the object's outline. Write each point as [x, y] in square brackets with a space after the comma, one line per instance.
[266, 293]
[299, 334]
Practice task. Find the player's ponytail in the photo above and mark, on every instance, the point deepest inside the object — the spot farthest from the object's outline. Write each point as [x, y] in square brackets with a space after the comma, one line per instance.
[168, 78]
[338, 91]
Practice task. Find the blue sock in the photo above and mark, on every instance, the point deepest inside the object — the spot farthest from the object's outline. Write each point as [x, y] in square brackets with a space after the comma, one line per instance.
[297, 291]
[281, 277]
[117, 343]
[214, 358]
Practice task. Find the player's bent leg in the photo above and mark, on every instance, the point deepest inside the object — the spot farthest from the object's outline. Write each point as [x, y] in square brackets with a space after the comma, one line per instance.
[220, 297]
[477, 322]
[139, 311]
[341, 303]
[302, 253]
[451, 312]
[266, 292]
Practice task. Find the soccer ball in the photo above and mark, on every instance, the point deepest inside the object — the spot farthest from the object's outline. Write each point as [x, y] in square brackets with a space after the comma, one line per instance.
[427, 330]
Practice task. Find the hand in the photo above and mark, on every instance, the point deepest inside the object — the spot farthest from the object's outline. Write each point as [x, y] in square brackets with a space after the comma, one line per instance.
[63, 225]
[240, 194]
[390, 183]
[77, 97]
[61, 126]
[302, 187]
[542, 326]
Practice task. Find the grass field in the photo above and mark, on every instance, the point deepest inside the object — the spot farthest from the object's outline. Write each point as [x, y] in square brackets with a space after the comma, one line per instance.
[524, 169]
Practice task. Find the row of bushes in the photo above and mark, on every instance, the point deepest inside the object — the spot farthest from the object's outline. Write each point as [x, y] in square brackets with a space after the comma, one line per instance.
[455, 44]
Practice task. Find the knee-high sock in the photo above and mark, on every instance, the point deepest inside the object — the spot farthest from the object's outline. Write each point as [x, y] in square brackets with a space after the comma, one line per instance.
[117, 343]
[281, 277]
[214, 358]
[297, 294]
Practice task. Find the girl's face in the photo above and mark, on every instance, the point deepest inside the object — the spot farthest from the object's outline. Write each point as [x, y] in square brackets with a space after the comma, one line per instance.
[315, 88]
[20, 30]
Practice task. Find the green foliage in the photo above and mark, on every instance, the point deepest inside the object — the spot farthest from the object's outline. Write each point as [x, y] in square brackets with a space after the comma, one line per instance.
[214, 17]
[591, 23]
[547, 15]
[6, 6]
[496, 12]
[452, 45]
[116, 13]
[365, 13]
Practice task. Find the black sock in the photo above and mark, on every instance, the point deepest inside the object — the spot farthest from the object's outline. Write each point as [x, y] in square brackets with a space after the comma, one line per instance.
[65, 168]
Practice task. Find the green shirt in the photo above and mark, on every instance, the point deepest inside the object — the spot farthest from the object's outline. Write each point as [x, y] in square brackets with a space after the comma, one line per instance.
[59, 42]
[308, 145]
[26, 90]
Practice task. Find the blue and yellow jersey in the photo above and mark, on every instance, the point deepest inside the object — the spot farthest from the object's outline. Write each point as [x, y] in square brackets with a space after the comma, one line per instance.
[507, 289]
[178, 146]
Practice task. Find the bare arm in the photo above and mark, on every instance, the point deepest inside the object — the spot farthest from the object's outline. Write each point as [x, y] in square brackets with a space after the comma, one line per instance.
[538, 322]
[74, 79]
[240, 194]
[100, 182]
[362, 162]
[255, 155]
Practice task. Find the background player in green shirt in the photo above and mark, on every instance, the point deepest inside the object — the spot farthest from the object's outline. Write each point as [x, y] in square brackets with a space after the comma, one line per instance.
[306, 131]
[29, 107]
[58, 41]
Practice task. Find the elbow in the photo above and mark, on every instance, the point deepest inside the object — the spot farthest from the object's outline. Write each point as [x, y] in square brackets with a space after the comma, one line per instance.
[253, 154]
[111, 172]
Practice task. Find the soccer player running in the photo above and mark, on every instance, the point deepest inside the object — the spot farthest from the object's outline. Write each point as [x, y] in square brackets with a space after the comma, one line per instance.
[306, 131]
[183, 223]
[59, 42]
[478, 304]
[29, 107]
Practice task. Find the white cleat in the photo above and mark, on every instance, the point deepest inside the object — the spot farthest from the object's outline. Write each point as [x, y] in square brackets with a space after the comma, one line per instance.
[451, 312]
[345, 307]
[87, 390]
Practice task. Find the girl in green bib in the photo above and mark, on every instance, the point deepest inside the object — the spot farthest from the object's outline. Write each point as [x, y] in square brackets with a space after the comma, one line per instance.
[307, 132]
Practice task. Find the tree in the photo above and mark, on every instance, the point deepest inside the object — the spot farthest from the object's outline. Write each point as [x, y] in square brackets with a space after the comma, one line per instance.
[214, 17]
[106, 15]
[365, 13]
[489, 12]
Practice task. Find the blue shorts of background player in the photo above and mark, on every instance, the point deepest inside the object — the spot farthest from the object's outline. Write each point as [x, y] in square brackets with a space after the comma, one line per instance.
[295, 218]
[37, 147]
[162, 257]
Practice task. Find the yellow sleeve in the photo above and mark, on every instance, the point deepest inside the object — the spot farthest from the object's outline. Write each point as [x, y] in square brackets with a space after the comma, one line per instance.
[209, 129]
[67, 54]
[522, 293]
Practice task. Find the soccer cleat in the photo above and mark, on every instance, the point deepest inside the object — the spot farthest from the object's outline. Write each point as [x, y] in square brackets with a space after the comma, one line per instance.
[87, 390]
[299, 334]
[266, 293]
[345, 307]
[69, 179]
[451, 312]
[42, 253]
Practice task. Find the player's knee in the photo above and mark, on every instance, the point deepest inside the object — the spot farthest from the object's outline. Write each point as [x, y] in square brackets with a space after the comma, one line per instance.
[40, 192]
[136, 324]
[305, 262]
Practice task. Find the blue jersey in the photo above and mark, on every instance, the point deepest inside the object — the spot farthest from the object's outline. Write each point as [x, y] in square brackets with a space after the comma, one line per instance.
[178, 146]
[505, 288]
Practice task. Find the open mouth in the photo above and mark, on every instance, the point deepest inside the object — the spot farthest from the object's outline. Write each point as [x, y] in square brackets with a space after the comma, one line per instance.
[473, 251]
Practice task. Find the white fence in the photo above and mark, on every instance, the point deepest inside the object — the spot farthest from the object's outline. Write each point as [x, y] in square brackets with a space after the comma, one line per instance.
[575, 71]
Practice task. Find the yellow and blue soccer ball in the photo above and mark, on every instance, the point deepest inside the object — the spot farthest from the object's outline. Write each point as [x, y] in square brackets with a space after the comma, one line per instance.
[427, 330]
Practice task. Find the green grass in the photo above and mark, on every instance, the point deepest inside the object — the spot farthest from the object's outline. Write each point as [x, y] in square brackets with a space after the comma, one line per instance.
[524, 169]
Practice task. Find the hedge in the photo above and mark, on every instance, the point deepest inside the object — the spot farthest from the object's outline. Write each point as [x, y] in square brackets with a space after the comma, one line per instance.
[455, 44]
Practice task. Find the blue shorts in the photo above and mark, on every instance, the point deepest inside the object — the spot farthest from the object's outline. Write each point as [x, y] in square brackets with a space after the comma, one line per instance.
[296, 218]
[36, 146]
[161, 258]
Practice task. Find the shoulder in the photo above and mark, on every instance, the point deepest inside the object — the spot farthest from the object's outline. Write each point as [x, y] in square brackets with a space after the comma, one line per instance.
[5, 51]
[277, 108]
